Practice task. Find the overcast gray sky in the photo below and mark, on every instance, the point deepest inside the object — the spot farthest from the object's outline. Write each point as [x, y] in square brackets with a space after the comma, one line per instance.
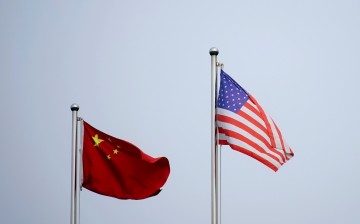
[140, 71]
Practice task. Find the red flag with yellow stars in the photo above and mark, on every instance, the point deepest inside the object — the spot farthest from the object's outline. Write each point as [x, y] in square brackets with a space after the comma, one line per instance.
[117, 168]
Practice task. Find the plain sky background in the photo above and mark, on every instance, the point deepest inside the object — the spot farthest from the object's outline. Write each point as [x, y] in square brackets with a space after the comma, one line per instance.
[140, 71]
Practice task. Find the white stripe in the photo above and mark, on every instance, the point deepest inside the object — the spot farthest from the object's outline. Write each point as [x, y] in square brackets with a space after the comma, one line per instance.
[249, 136]
[252, 114]
[275, 133]
[245, 121]
[288, 151]
[248, 147]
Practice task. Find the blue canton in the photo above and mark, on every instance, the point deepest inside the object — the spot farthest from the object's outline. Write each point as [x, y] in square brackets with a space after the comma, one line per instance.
[231, 95]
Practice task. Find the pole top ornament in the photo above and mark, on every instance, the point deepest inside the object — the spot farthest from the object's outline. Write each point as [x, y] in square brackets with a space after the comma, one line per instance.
[74, 107]
[214, 51]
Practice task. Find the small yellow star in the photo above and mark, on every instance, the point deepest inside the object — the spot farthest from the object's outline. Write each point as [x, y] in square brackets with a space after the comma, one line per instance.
[108, 157]
[109, 139]
[97, 140]
[118, 146]
[115, 151]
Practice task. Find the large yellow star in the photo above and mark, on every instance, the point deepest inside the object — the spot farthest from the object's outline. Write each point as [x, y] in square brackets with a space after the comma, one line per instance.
[97, 140]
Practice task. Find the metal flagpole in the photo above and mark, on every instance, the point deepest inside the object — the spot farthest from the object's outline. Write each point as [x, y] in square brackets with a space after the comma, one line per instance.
[73, 217]
[214, 160]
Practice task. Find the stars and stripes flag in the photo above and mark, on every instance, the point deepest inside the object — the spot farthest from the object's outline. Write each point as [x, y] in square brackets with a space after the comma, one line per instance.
[245, 127]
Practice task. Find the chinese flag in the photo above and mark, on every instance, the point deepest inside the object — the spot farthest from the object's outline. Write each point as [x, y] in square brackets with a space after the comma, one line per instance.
[117, 168]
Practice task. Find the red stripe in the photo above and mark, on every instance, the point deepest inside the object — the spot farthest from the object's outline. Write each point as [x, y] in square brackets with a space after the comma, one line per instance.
[291, 152]
[283, 144]
[251, 154]
[238, 123]
[250, 131]
[252, 120]
[281, 139]
[264, 118]
[249, 142]
[252, 108]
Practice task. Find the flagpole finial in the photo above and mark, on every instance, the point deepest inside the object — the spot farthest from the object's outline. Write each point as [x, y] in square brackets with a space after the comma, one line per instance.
[74, 107]
[214, 51]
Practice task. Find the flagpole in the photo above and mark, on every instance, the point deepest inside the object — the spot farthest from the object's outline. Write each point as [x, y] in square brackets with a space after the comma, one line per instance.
[73, 215]
[214, 159]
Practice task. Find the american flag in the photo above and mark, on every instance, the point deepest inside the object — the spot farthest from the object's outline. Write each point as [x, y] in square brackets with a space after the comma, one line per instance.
[245, 127]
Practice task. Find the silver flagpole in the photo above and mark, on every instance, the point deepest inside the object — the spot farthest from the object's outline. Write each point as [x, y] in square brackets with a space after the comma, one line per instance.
[214, 160]
[74, 191]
